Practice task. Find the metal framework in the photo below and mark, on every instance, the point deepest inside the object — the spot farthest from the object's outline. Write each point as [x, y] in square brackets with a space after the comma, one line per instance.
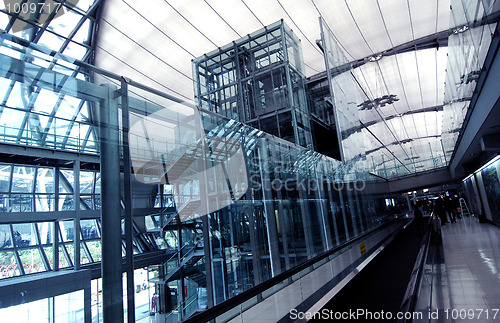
[258, 80]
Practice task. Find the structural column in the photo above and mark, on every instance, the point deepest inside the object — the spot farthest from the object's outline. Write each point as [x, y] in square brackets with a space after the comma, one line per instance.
[76, 221]
[323, 216]
[272, 232]
[111, 265]
[127, 201]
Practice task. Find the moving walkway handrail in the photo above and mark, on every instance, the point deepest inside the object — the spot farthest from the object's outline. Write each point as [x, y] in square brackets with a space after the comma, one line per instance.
[225, 306]
[413, 289]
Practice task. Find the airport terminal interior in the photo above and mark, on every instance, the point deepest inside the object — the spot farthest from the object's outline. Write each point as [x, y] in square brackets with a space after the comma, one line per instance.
[249, 160]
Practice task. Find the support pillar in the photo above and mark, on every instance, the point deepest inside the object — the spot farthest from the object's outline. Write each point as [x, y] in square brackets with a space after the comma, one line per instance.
[272, 232]
[76, 221]
[111, 265]
[55, 224]
[127, 201]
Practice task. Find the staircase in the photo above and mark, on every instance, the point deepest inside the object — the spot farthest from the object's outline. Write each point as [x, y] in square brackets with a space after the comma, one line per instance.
[176, 268]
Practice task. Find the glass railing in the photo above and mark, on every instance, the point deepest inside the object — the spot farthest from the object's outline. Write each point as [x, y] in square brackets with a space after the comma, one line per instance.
[69, 136]
[301, 286]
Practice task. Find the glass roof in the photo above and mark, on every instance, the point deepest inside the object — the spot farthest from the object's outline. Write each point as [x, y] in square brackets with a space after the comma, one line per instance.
[399, 50]
[166, 35]
[410, 55]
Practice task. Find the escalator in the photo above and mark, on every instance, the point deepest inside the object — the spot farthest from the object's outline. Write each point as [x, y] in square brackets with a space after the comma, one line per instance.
[377, 292]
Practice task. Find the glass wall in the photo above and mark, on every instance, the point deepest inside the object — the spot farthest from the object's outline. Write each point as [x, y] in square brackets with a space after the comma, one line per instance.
[491, 181]
[483, 191]
[144, 292]
[346, 94]
[467, 49]
[66, 308]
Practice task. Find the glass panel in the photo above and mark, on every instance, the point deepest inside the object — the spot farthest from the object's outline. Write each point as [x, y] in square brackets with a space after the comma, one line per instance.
[86, 182]
[32, 260]
[83, 255]
[98, 184]
[491, 182]
[95, 249]
[45, 230]
[67, 180]
[37, 311]
[5, 203]
[4, 177]
[24, 235]
[66, 202]
[89, 229]
[69, 307]
[66, 230]
[87, 202]
[8, 265]
[23, 179]
[45, 180]
[49, 254]
[45, 203]
[5, 237]
[63, 260]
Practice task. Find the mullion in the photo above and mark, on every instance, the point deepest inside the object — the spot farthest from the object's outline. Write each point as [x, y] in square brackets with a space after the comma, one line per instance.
[16, 254]
[40, 248]
[7, 96]
[33, 189]
[83, 243]
[73, 120]
[63, 245]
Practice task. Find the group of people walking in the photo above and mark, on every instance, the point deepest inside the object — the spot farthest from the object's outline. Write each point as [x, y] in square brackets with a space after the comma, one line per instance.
[446, 207]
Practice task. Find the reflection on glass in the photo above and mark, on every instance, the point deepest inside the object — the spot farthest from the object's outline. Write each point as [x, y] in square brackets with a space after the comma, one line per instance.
[95, 249]
[23, 179]
[467, 49]
[66, 230]
[8, 265]
[45, 230]
[24, 235]
[89, 229]
[491, 182]
[5, 237]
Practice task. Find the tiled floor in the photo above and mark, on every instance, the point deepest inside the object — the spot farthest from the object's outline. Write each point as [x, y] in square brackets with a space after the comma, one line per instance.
[472, 258]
